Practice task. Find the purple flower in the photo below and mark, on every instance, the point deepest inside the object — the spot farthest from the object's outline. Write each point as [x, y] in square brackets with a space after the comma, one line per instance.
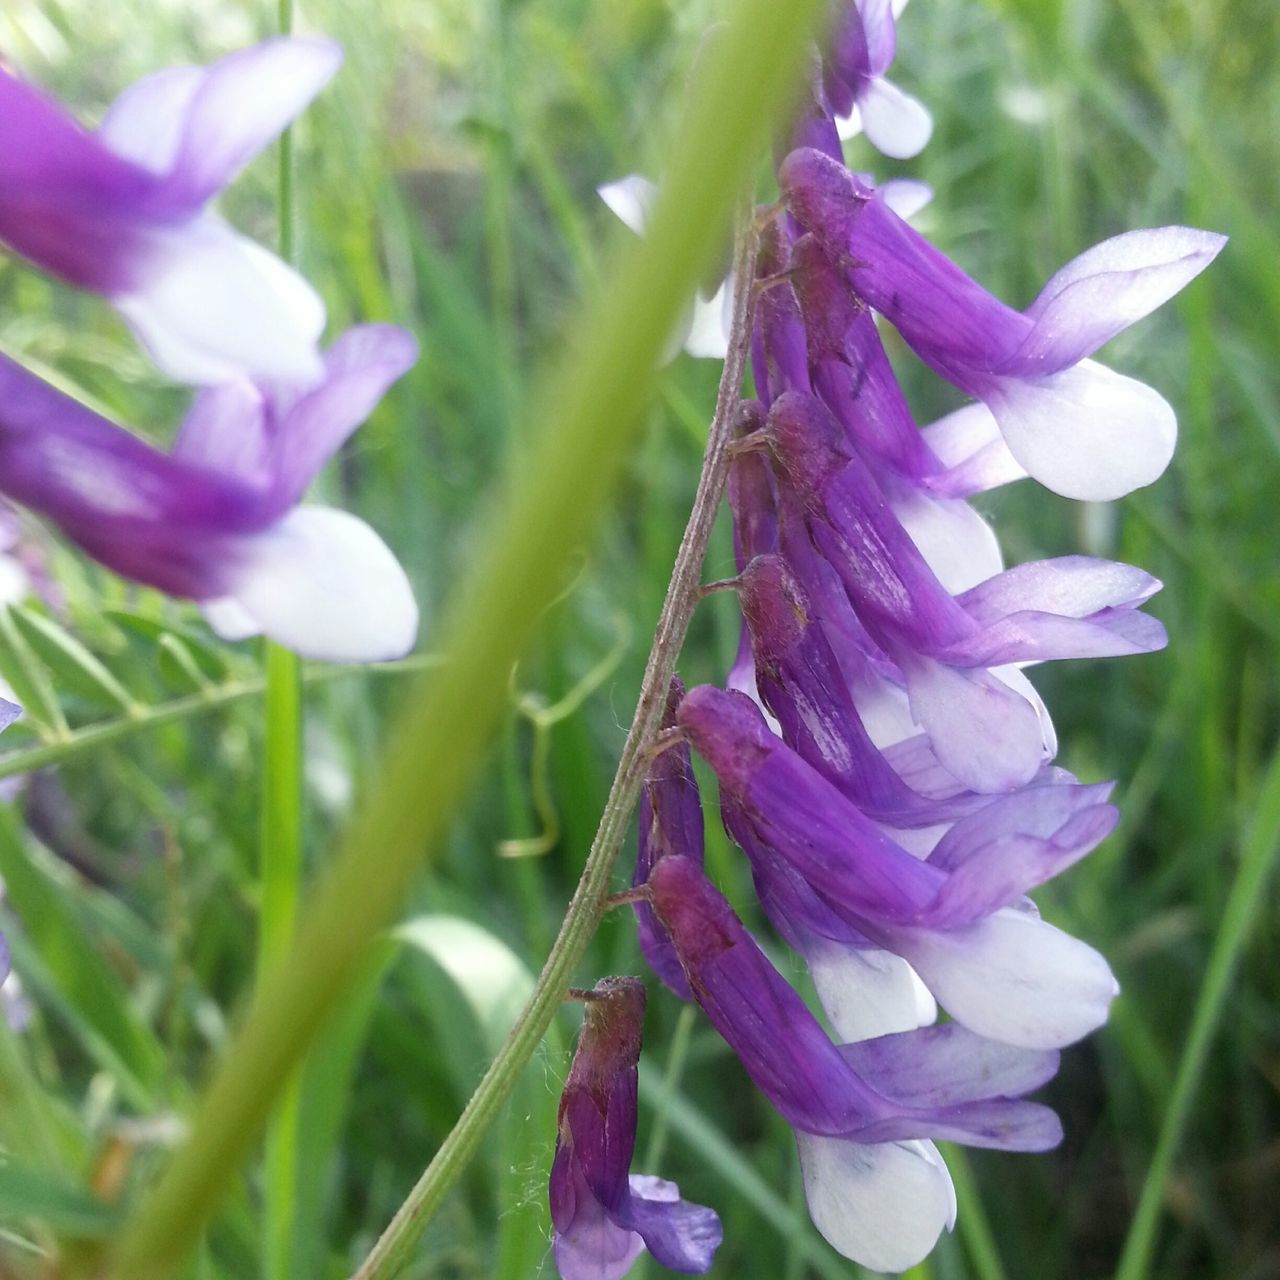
[218, 520]
[1073, 424]
[863, 1113]
[986, 734]
[858, 94]
[959, 918]
[604, 1218]
[670, 824]
[123, 211]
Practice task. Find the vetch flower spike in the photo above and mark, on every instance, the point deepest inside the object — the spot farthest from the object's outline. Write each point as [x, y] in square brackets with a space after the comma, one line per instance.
[123, 211]
[604, 1218]
[217, 520]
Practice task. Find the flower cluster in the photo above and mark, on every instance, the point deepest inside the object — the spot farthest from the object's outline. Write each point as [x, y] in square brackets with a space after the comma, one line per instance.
[125, 212]
[882, 760]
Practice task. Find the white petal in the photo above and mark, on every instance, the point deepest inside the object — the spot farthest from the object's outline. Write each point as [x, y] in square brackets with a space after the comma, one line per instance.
[202, 125]
[905, 196]
[709, 332]
[1018, 682]
[322, 583]
[884, 1205]
[969, 444]
[214, 306]
[631, 198]
[1086, 432]
[849, 126]
[868, 993]
[230, 619]
[15, 582]
[1014, 978]
[986, 735]
[956, 542]
[896, 124]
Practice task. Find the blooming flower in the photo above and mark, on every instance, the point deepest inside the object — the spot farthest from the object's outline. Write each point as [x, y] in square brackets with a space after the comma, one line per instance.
[1076, 426]
[124, 211]
[217, 519]
[603, 1218]
[863, 1113]
[858, 94]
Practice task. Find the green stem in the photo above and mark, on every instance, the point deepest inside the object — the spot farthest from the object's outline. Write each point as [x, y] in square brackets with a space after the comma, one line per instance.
[280, 849]
[1261, 846]
[587, 420]
[580, 921]
[89, 739]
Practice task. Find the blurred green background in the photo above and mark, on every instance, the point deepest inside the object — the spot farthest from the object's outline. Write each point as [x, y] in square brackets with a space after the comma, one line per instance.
[446, 182]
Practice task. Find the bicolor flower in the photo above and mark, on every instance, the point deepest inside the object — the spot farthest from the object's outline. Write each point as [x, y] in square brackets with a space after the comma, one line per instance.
[218, 519]
[604, 1218]
[945, 646]
[860, 51]
[863, 1113]
[960, 918]
[124, 211]
[1073, 424]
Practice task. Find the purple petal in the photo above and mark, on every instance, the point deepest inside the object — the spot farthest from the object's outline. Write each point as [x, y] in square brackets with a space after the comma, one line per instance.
[1073, 586]
[680, 1235]
[1106, 289]
[200, 127]
[969, 444]
[944, 1065]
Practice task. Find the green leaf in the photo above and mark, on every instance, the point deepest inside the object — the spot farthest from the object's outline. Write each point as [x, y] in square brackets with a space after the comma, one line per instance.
[68, 659]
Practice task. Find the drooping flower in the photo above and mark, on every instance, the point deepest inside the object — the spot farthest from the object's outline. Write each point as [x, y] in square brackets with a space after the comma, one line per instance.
[124, 211]
[863, 1113]
[218, 519]
[604, 1217]
[1073, 424]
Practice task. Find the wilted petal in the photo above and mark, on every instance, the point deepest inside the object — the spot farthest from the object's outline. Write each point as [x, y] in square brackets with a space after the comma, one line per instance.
[1106, 289]
[322, 583]
[1086, 432]
[882, 1206]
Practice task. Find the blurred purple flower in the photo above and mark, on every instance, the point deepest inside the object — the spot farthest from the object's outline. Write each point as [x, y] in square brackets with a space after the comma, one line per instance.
[218, 519]
[123, 211]
[603, 1218]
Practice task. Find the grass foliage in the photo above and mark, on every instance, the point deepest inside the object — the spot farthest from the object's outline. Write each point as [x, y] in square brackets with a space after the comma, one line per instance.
[446, 182]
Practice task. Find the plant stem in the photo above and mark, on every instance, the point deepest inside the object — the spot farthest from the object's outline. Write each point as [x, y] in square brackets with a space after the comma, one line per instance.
[585, 422]
[280, 841]
[587, 905]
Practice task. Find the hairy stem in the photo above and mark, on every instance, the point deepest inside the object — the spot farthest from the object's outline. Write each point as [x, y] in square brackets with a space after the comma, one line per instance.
[590, 898]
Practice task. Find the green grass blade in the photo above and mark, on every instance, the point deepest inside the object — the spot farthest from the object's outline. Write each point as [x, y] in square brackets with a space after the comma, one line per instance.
[1258, 856]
